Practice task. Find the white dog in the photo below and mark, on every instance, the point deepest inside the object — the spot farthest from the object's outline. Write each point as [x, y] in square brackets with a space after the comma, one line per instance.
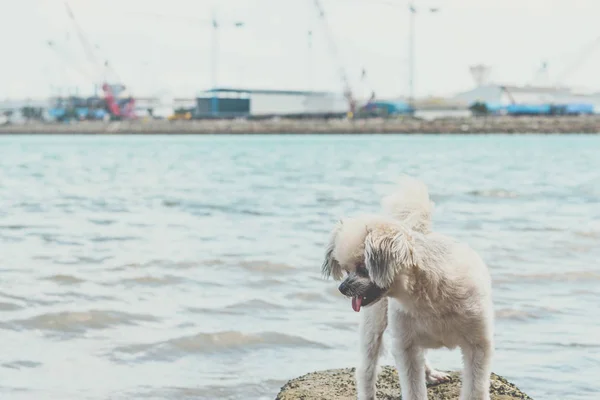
[439, 293]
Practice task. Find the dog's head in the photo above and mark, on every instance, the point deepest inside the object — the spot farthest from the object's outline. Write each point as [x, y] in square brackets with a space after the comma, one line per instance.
[367, 254]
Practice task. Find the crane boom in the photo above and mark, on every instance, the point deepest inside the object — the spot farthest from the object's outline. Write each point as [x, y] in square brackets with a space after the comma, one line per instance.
[334, 50]
[67, 61]
[583, 55]
[87, 47]
[110, 91]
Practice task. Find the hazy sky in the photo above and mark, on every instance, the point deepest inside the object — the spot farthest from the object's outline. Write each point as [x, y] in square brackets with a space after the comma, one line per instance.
[171, 55]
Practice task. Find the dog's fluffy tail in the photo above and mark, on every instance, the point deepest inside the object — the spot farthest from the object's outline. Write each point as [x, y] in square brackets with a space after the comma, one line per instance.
[410, 204]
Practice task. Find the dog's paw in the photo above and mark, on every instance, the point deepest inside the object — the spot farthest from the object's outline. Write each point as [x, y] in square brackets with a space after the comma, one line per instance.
[434, 377]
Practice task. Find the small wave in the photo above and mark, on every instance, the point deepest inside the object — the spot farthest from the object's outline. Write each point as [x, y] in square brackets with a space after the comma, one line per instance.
[260, 390]
[19, 364]
[582, 292]
[588, 234]
[212, 262]
[42, 257]
[265, 283]
[67, 297]
[150, 280]
[187, 264]
[102, 239]
[206, 209]
[56, 239]
[9, 306]
[538, 229]
[15, 227]
[79, 321]
[171, 203]
[128, 266]
[13, 297]
[184, 264]
[328, 201]
[565, 276]
[206, 343]
[345, 326]
[139, 225]
[10, 239]
[572, 345]
[497, 193]
[102, 221]
[27, 301]
[519, 315]
[242, 307]
[253, 304]
[169, 264]
[265, 266]
[307, 296]
[78, 260]
[64, 279]
[579, 248]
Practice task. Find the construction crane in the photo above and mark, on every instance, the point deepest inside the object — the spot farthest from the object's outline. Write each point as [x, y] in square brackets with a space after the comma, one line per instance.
[348, 93]
[74, 107]
[582, 56]
[111, 91]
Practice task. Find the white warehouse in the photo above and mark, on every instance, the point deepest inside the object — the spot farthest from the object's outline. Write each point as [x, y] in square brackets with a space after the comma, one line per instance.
[269, 103]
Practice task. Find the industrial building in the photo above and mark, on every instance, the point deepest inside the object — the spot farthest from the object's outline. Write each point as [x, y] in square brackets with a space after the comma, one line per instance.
[506, 94]
[264, 103]
[531, 100]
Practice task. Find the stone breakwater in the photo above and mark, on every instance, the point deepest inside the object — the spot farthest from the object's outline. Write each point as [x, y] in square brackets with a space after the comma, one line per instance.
[580, 124]
[338, 384]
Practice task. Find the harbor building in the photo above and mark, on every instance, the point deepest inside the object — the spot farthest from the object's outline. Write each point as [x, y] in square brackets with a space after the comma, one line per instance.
[266, 103]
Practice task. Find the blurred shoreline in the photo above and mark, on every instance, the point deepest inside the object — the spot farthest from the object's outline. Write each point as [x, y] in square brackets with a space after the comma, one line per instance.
[461, 125]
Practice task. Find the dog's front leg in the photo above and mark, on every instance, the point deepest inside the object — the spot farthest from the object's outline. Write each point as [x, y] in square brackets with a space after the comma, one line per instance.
[477, 359]
[409, 359]
[372, 326]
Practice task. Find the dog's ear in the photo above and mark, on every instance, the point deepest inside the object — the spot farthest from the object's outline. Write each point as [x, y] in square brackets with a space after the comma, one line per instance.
[331, 267]
[387, 252]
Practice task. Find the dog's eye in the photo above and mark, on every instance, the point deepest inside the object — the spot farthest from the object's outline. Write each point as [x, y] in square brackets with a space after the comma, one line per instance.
[362, 270]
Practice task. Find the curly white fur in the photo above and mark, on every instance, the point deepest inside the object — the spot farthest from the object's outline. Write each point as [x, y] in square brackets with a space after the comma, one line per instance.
[410, 204]
[438, 295]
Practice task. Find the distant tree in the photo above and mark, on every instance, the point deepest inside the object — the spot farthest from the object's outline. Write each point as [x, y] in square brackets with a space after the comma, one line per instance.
[26, 112]
[32, 113]
[479, 108]
[8, 114]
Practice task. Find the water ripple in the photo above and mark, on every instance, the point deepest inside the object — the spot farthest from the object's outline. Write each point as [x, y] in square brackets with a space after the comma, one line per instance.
[208, 343]
[78, 321]
[64, 279]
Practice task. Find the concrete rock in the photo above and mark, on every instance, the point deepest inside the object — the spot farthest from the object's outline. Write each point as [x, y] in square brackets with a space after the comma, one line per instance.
[338, 384]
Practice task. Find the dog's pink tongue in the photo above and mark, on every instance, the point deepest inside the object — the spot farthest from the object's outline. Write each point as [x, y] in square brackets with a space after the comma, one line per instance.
[356, 301]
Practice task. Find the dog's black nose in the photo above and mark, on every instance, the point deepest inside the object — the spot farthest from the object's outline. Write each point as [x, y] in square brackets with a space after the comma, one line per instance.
[343, 287]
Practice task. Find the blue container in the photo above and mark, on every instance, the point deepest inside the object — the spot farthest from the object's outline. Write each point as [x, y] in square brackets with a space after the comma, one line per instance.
[56, 112]
[528, 109]
[579, 109]
[81, 112]
[389, 107]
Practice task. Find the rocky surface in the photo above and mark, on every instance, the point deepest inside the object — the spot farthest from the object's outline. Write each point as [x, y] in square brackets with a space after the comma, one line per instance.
[338, 384]
[496, 124]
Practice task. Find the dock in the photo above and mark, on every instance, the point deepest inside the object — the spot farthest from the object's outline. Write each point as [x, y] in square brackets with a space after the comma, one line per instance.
[403, 125]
